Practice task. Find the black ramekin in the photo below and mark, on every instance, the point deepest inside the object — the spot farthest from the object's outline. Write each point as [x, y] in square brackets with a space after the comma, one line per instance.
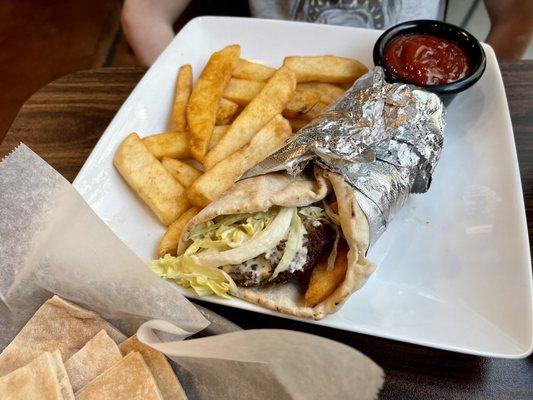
[469, 43]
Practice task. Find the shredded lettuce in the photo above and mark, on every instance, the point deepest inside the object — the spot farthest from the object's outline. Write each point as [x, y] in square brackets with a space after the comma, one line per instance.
[230, 239]
[212, 237]
[332, 215]
[261, 242]
[312, 216]
[312, 212]
[189, 274]
[229, 231]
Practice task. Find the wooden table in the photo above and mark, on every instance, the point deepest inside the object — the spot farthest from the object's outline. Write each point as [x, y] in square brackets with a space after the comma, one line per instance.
[63, 121]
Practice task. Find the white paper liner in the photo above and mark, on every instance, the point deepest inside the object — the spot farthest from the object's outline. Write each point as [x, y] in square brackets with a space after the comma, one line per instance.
[51, 242]
[267, 364]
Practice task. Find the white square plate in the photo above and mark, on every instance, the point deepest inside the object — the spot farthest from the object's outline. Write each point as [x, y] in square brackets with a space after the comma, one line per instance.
[454, 266]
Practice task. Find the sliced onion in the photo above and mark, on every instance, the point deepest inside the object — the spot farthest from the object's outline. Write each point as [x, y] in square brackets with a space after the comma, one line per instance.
[293, 244]
[333, 255]
[265, 240]
[333, 217]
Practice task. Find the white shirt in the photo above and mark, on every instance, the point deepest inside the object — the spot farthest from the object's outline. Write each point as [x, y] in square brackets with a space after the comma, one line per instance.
[378, 14]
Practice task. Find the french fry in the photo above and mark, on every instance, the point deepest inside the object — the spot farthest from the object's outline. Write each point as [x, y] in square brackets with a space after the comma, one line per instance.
[268, 103]
[181, 98]
[327, 68]
[226, 111]
[150, 180]
[323, 282]
[218, 132]
[215, 181]
[328, 92]
[242, 91]
[168, 144]
[205, 96]
[169, 241]
[301, 102]
[346, 86]
[297, 124]
[314, 112]
[253, 71]
[182, 172]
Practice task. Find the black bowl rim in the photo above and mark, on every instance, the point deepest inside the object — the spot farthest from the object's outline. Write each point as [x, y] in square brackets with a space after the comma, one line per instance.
[447, 88]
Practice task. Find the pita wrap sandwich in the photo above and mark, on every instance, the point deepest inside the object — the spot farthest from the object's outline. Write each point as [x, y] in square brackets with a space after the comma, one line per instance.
[296, 241]
[262, 240]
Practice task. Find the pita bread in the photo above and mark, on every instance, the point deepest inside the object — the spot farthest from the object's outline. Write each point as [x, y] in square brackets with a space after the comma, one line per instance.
[98, 354]
[58, 324]
[43, 378]
[262, 192]
[166, 380]
[62, 376]
[258, 194]
[129, 379]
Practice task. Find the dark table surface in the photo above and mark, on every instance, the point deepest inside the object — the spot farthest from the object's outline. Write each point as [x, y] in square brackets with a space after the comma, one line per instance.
[63, 121]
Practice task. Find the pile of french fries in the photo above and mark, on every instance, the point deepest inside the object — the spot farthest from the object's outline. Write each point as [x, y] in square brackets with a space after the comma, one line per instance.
[238, 113]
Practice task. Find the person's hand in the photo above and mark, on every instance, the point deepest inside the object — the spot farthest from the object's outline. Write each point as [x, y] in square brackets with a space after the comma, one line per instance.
[511, 27]
[147, 25]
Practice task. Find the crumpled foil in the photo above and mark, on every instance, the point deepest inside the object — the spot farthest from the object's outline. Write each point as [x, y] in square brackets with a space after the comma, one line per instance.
[385, 139]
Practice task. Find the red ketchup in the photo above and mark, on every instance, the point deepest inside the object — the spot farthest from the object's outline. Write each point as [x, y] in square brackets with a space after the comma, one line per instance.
[426, 59]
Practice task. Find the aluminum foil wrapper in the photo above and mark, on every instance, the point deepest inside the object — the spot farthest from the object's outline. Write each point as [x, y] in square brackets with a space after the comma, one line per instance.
[385, 139]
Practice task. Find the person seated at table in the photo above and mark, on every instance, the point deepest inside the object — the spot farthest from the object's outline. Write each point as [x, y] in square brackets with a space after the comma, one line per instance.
[147, 24]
